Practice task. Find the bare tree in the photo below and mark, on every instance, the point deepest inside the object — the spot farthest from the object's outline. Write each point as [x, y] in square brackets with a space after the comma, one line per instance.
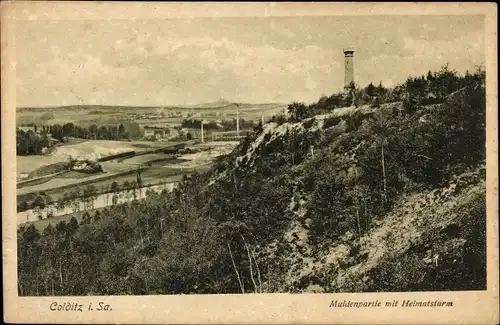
[236, 269]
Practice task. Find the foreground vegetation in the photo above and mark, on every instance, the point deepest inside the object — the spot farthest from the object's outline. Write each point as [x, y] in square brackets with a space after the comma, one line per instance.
[300, 205]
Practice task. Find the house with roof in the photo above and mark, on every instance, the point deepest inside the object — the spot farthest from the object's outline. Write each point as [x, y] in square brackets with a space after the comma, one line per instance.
[23, 175]
[156, 132]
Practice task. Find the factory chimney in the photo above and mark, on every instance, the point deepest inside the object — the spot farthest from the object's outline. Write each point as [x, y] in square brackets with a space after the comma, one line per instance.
[202, 135]
[237, 121]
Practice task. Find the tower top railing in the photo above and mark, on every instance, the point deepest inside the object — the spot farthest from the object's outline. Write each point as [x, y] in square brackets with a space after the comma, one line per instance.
[348, 50]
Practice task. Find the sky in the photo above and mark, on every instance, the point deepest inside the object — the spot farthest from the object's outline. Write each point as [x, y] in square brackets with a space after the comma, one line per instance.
[157, 62]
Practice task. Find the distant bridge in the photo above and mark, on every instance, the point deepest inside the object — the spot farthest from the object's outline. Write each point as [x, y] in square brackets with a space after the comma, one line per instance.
[229, 135]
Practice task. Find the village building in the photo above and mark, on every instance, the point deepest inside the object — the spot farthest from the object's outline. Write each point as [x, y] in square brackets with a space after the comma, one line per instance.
[86, 166]
[79, 165]
[156, 132]
[24, 175]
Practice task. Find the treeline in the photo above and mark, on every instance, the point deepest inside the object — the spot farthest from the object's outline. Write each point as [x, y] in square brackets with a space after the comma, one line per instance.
[224, 125]
[36, 201]
[124, 131]
[224, 236]
[415, 91]
[31, 143]
[73, 198]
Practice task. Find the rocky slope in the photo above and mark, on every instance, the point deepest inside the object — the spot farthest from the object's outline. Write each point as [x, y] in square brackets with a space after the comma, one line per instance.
[427, 238]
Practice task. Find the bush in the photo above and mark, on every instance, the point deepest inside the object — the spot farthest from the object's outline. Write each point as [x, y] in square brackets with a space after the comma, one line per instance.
[299, 112]
[278, 119]
[309, 123]
[332, 121]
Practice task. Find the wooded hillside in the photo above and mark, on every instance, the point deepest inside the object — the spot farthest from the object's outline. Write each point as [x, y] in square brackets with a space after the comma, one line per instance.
[358, 198]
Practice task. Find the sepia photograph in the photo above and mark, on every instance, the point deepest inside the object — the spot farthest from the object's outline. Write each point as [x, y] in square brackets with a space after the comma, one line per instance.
[250, 154]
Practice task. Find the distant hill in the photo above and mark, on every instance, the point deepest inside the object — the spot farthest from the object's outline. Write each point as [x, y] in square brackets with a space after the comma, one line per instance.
[216, 104]
[210, 105]
[85, 107]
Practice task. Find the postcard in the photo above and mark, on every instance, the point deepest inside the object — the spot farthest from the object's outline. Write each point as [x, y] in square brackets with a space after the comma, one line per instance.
[247, 163]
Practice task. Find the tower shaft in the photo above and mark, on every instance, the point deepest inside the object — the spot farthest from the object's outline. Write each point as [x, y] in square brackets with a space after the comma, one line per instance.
[349, 67]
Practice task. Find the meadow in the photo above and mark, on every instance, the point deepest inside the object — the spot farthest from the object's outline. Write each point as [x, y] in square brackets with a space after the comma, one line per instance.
[147, 158]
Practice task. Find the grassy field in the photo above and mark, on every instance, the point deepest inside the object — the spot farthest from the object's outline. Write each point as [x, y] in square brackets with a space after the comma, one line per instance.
[32, 183]
[29, 164]
[76, 174]
[143, 159]
[49, 169]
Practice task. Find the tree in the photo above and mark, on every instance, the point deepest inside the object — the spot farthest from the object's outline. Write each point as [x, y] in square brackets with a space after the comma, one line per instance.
[371, 90]
[93, 130]
[139, 179]
[103, 133]
[298, 112]
[115, 188]
[127, 186]
[121, 131]
[114, 199]
[113, 132]
[97, 216]
[380, 128]
[90, 194]
[75, 198]
[68, 130]
[133, 185]
[61, 204]
[132, 130]
[445, 82]
[39, 202]
[72, 226]
[22, 205]
[381, 90]
[430, 77]
[86, 219]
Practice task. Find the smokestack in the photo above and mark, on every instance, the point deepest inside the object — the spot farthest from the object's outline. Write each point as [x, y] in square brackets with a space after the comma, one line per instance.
[237, 120]
[349, 67]
[202, 139]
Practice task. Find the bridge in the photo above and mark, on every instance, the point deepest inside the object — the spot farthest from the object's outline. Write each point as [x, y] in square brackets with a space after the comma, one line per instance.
[229, 135]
